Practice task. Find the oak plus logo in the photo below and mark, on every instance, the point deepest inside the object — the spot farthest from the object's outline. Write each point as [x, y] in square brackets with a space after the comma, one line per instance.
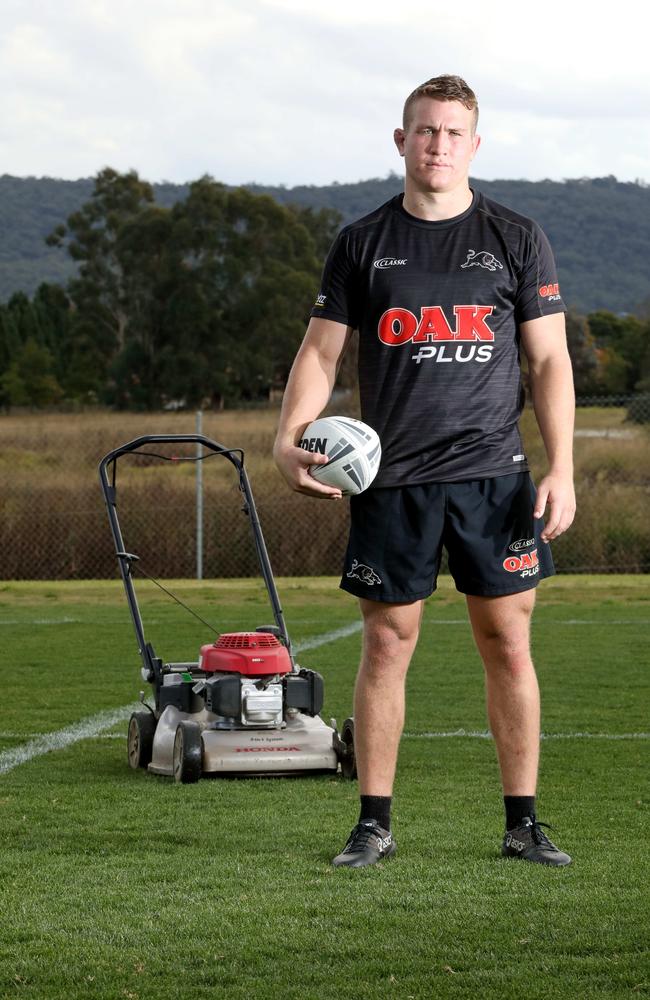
[526, 564]
[483, 259]
[550, 292]
[434, 335]
[385, 262]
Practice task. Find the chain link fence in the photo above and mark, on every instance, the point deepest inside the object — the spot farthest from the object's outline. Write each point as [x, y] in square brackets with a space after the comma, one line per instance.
[53, 525]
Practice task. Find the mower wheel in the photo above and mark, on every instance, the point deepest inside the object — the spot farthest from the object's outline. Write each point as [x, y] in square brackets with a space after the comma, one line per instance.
[139, 742]
[188, 753]
[347, 757]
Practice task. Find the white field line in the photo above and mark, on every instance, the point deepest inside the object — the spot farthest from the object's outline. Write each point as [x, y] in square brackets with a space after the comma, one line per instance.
[96, 724]
[327, 637]
[40, 621]
[83, 730]
[485, 735]
[338, 633]
[467, 734]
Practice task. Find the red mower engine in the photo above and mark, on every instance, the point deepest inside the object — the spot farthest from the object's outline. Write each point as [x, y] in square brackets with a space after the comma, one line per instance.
[251, 654]
[239, 664]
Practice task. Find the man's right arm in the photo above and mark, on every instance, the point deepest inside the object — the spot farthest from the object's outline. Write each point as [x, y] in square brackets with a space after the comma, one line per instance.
[308, 390]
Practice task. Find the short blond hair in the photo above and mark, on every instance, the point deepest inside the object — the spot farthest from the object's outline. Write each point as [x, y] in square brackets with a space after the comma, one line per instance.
[443, 88]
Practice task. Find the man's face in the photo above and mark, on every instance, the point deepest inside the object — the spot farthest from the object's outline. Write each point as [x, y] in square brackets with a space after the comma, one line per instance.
[438, 145]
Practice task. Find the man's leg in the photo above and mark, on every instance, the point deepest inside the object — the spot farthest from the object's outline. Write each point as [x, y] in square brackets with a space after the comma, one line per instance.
[390, 633]
[501, 628]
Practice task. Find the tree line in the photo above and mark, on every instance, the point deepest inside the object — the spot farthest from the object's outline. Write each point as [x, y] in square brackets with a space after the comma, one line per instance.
[200, 303]
[599, 228]
[204, 302]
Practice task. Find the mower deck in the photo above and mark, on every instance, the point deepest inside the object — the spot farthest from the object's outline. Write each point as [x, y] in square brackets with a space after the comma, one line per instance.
[304, 745]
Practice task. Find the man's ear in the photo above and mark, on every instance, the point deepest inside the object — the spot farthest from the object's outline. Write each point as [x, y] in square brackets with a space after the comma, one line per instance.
[399, 136]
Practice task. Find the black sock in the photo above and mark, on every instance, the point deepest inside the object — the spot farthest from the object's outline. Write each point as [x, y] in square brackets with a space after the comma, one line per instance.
[376, 807]
[518, 806]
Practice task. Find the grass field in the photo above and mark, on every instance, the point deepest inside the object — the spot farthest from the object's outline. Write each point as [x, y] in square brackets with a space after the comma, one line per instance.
[116, 884]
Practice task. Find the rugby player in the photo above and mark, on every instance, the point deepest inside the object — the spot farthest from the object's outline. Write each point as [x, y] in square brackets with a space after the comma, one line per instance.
[445, 288]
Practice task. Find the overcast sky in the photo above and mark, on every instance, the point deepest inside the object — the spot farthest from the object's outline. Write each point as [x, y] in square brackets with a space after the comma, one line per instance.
[290, 92]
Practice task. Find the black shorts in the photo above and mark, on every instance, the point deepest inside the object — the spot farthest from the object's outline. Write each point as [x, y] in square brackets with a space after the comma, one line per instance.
[486, 525]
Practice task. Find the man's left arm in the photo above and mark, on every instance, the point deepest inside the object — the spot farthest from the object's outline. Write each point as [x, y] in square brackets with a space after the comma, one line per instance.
[551, 381]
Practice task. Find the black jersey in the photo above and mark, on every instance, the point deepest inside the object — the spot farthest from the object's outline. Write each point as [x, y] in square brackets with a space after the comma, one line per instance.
[438, 307]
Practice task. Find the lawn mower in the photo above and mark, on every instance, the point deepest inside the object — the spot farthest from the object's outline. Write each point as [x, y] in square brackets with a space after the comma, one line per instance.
[245, 707]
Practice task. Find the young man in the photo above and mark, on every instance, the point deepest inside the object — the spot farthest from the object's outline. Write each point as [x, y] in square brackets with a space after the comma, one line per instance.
[444, 287]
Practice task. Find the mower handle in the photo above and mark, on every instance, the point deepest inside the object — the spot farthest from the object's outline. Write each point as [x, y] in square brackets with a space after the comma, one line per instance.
[137, 443]
[236, 457]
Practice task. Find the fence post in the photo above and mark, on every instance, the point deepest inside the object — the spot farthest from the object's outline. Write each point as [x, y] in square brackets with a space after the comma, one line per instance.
[199, 499]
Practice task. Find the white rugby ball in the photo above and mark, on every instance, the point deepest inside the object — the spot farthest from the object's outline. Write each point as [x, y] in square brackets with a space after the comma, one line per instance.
[353, 449]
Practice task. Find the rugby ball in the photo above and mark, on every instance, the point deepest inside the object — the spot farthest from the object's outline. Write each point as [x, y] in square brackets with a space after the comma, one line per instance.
[353, 449]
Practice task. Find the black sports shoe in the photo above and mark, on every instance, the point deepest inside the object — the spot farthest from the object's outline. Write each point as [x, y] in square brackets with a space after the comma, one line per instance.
[529, 842]
[367, 844]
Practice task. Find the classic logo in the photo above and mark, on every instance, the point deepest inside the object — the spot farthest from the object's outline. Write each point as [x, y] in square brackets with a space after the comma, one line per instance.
[521, 543]
[389, 262]
[364, 573]
[482, 259]
[400, 326]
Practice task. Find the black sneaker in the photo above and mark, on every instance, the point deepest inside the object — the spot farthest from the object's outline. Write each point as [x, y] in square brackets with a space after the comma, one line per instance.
[529, 842]
[367, 844]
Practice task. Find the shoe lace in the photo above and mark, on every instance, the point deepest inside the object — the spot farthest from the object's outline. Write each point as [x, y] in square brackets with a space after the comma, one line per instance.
[359, 838]
[539, 837]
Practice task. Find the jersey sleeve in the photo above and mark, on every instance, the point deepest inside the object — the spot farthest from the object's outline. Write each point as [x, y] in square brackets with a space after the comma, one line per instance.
[336, 298]
[538, 293]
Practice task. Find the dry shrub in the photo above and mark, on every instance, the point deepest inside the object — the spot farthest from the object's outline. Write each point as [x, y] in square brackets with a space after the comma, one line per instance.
[53, 524]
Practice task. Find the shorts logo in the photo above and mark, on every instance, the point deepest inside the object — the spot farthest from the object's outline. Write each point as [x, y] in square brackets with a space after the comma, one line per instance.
[364, 573]
[482, 259]
[385, 262]
[521, 543]
[527, 564]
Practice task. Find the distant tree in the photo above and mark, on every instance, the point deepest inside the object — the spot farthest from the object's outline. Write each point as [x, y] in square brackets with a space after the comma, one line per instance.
[10, 341]
[90, 237]
[623, 341]
[613, 372]
[204, 301]
[583, 353]
[29, 380]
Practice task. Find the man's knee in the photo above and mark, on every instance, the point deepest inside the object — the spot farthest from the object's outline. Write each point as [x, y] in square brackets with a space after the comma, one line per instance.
[390, 633]
[501, 628]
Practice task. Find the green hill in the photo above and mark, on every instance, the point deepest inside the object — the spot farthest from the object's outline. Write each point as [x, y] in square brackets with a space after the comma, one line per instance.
[599, 228]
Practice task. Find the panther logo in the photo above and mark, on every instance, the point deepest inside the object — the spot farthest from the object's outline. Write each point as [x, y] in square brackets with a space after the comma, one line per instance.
[364, 573]
[482, 259]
